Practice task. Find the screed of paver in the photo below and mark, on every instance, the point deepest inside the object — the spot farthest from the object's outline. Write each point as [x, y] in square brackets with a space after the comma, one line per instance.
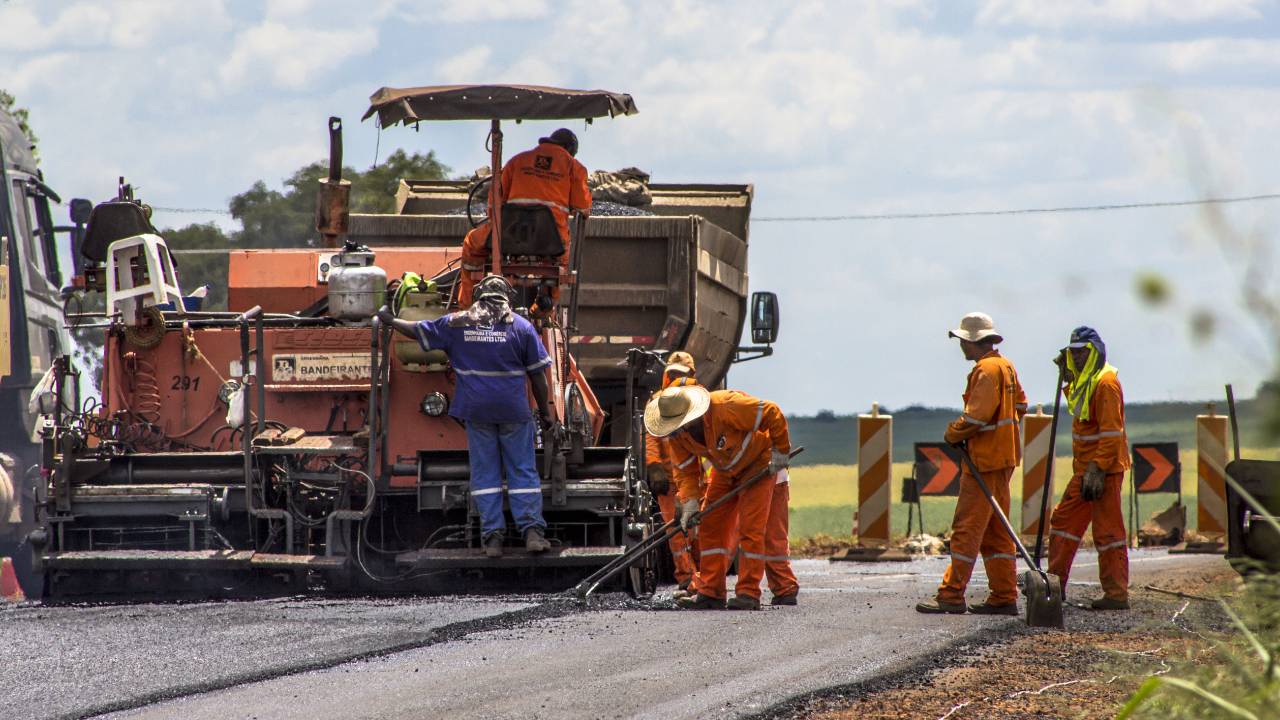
[68, 661]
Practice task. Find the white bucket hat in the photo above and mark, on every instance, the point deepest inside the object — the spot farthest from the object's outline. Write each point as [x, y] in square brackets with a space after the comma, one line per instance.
[674, 407]
[976, 326]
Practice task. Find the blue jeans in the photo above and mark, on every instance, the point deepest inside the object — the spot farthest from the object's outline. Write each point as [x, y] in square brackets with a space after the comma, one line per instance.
[495, 450]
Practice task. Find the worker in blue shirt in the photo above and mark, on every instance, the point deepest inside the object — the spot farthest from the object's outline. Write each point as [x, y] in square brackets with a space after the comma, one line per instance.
[492, 351]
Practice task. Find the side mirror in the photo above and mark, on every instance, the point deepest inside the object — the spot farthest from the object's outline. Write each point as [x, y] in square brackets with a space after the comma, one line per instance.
[765, 319]
[80, 210]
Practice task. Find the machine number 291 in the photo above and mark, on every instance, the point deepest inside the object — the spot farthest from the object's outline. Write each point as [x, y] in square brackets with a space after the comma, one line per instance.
[185, 382]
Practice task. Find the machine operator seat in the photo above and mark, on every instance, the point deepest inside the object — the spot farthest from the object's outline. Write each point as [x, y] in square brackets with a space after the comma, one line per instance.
[111, 221]
[530, 231]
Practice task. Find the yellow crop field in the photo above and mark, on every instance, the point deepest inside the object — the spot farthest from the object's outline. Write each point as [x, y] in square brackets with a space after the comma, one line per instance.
[823, 497]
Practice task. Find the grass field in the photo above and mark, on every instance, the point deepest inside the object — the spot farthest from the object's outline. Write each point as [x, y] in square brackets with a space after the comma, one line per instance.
[823, 497]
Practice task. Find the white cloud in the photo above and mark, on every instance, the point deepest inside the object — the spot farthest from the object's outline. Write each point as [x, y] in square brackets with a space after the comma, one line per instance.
[471, 11]
[1103, 13]
[468, 66]
[292, 57]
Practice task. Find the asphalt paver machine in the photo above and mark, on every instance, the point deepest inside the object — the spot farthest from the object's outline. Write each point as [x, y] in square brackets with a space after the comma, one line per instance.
[293, 440]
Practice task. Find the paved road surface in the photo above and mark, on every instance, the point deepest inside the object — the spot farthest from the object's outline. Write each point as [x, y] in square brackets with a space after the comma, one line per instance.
[474, 658]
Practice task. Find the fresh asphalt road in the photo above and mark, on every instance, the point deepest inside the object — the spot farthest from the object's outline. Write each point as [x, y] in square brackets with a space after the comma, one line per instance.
[486, 657]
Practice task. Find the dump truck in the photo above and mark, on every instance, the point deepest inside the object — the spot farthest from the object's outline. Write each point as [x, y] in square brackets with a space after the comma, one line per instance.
[293, 441]
[31, 328]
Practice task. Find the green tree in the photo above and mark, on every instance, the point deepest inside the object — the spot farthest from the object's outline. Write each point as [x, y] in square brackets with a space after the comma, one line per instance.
[286, 218]
[8, 103]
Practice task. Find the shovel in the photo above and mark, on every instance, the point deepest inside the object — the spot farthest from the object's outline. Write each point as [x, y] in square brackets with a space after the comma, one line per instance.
[1043, 591]
[589, 585]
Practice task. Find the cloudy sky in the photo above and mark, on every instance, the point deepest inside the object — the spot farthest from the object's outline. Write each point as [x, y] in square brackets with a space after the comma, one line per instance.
[854, 108]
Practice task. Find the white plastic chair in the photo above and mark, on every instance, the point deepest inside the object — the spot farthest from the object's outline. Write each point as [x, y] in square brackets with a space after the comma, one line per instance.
[152, 282]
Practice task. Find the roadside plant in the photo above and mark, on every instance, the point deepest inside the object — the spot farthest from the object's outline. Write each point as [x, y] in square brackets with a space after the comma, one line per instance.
[1241, 679]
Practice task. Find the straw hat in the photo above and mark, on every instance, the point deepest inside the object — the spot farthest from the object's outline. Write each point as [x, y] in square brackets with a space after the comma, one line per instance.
[680, 361]
[674, 407]
[976, 326]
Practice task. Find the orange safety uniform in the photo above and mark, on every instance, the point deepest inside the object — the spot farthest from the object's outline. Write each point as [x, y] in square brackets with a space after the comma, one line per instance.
[547, 175]
[994, 402]
[657, 452]
[1099, 439]
[741, 434]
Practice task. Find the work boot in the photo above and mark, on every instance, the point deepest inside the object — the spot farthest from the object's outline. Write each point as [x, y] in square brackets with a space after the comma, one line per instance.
[788, 599]
[744, 602]
[681, 593]
[493, 545]
[937, 607]
[535, 541]
[1106, 603]
[699, 602]
[986, 608]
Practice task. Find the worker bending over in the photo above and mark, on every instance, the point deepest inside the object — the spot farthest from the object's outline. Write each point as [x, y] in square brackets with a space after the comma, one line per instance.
[993, 404]
[548, 176]
[678, 371]
[741, 436]
[493, 351]
[1100, 457]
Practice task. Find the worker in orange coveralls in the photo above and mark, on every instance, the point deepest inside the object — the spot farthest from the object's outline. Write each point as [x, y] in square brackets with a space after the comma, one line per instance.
[1100, 457]
[993, 405]
[678, 371]
[741, 436]
[547, 175]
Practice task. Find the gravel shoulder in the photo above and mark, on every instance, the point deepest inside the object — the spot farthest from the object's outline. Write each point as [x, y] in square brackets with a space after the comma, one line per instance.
[1088, 672]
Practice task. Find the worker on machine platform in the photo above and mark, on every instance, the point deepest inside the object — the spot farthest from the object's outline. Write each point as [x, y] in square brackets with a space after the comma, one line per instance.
[493, 350]
[547, 176]
[741, 436]
[1100, 457]
[993, 405]
[678, 371]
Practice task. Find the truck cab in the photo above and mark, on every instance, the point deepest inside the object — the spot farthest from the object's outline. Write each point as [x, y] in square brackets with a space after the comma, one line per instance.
[31, 324]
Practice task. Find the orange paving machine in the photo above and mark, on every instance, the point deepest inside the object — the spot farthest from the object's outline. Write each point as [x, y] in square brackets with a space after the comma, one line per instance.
[293, 441]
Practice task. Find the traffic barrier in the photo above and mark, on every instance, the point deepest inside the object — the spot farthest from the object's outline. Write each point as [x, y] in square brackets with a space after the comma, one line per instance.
[875, 502]
[1211, 463]
[1035, 469]
[10, 590]
[875, 472]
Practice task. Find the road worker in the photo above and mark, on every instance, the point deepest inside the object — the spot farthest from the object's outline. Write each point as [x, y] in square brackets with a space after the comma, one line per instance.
[493, 351]
[1100, 457]
[548, 175]
[741, 436]
[680, 370]
[993, 404]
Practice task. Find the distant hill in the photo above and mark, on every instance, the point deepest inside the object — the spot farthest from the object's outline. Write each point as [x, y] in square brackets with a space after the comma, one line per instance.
[832, 439]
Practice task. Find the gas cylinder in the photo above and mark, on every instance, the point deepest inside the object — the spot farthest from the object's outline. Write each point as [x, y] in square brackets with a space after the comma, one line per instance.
[357, 287]
[420, 306]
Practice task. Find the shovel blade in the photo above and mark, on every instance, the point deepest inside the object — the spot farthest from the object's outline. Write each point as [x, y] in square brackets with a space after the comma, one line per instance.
[1044, 599]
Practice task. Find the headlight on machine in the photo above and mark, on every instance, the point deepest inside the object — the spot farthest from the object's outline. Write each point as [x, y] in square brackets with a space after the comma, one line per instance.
[434, 404]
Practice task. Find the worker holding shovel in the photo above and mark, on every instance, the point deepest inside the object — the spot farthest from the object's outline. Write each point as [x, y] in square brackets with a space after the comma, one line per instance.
[1100, 457]
[993, 404]
[749, 446]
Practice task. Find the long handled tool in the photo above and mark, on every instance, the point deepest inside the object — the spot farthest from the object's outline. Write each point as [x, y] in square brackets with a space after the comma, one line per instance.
[1048, 468]
[663, 535]
[1043, 591]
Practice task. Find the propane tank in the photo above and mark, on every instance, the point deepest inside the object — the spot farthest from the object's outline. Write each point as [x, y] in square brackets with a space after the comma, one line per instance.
[357, 287]
[419, 306]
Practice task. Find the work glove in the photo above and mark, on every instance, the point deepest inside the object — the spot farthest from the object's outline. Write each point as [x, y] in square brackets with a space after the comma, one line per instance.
[659, 481]
[687, 510]
[778, 461]
[1094, 482]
